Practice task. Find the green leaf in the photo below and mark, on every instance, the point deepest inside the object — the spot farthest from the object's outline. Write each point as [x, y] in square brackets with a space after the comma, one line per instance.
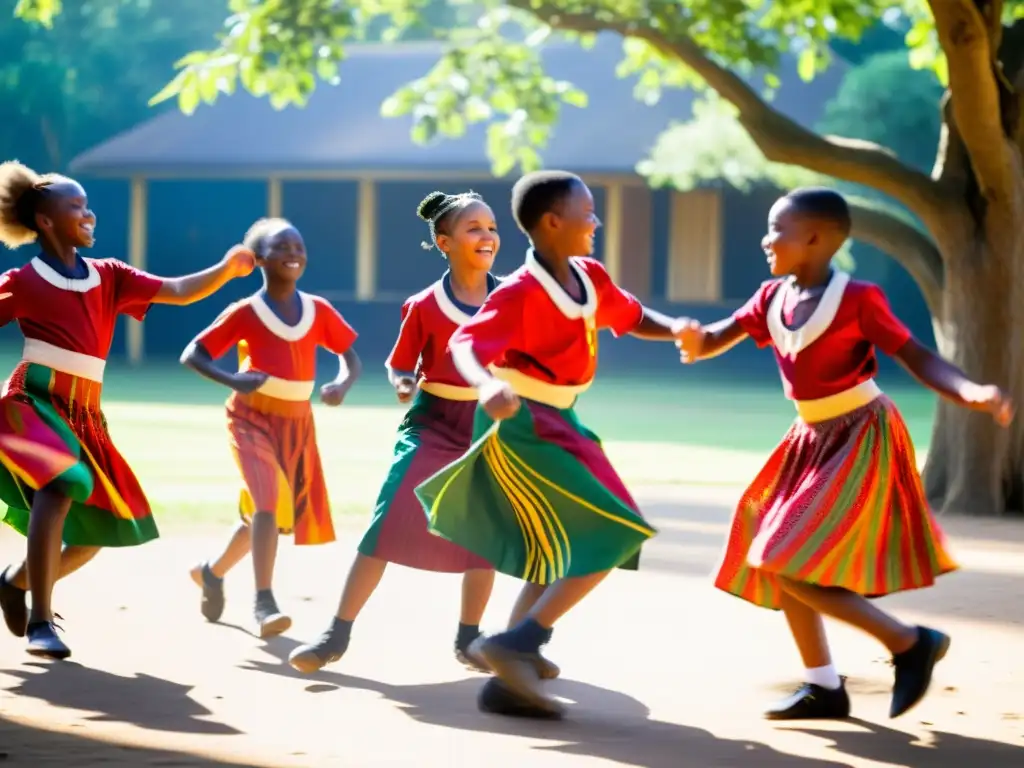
[188, 96]
[807, 64]
[575, 97]
[170, 90]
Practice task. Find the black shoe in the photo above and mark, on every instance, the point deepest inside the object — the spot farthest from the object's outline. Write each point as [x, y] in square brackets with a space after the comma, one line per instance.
[518, 671]
[812, 702]
[43, 641]
[465, 656]
[496, 699]
[327, 649]
[269, 620]
[12, 603]
[212, 603]
[914, 669]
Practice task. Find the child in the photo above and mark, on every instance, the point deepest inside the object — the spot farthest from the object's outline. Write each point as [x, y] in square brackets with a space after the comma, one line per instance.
[61, 475]
[838, 514]
[270, 419]
[437, 429]
[535, 495]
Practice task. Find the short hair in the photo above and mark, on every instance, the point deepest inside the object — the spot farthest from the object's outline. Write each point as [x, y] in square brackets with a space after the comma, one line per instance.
[538, 193]
[262, 230]
[441, 211]
[822, 203]
[22, 192]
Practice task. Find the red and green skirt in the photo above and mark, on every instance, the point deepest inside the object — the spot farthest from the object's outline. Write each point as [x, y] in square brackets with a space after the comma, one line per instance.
[537, 498]
[53, 431]
[434, 433]
[838, 504]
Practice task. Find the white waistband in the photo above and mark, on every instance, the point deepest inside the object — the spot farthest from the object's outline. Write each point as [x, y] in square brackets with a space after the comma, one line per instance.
[448, 391]
[64, 360]
[283, 389]
[555, 395]
[839, 404]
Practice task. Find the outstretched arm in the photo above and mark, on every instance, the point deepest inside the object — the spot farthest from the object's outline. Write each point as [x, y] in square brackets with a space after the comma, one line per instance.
[188, 289]
[948, 381]
[654, 326]
[702, 342]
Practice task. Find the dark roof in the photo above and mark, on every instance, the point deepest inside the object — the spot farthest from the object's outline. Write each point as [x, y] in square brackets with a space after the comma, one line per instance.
[341, 128]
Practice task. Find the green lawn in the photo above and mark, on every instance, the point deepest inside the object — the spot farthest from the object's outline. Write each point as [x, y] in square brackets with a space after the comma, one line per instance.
[685, 429]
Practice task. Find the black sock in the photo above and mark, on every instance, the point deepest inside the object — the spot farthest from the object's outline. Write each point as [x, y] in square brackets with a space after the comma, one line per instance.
[526, 637]
[340, 633]
[210, 577]
[264, 596]
[467, 634]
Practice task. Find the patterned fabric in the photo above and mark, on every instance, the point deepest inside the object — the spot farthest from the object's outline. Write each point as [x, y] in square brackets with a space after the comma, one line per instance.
[536, 496]
[434, 433]
[274, 445]
[52, 430]
[838, 504]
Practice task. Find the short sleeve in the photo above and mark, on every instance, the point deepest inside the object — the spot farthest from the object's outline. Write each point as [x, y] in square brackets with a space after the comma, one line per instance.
[752, 317]
[224, 332]
[134, 289]
[497, 325]
[617, 310]
[336, 335]
[878, 324]
[8, 297]
[405, 355]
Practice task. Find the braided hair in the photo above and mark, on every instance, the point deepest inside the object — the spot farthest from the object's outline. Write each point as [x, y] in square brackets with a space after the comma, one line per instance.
[22, 192]
[257, 237]
[442, 211]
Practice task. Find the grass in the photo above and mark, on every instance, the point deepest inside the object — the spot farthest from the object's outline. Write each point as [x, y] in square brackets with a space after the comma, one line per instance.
[170, 425]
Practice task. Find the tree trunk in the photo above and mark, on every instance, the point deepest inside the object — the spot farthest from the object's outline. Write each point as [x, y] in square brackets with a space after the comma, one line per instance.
[974, 466]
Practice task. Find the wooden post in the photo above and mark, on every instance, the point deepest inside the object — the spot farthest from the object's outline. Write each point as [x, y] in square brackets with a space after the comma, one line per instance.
[366, 241]
[137, 225]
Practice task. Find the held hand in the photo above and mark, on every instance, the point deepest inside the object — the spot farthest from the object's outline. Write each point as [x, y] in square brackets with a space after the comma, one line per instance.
[498, 399]
[247, 382]
[993, 400]
[689, 336]
[333, 393]
[405, 388]
[240, 261]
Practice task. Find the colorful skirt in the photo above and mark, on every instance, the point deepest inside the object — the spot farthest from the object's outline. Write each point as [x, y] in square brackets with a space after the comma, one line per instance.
[536, 497]
[434, 433]
[838, 504]
[274, 444]
[53, 431]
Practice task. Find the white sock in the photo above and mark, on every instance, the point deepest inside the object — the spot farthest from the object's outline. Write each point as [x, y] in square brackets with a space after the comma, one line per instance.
[826, 677]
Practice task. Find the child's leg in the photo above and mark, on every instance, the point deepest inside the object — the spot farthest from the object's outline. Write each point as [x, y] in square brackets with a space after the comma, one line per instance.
[264, 536]
[45, 526]
[528, 597]
[14, 584]
[916, 650]
[477, 584]
[363, 578]
[512, 655]
[209, 576]
[823, 695]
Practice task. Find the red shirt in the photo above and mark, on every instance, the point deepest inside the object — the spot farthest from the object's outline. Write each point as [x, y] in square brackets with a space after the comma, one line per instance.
[75, 314]
[531, 324]
[428, 321]
[835, 349]
[266, 343]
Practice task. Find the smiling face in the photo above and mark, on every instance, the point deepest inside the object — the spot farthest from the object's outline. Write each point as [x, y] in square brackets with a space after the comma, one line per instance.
[283, 257]
[789, 240]
[572, 226]
[472, 239]
[64, 218]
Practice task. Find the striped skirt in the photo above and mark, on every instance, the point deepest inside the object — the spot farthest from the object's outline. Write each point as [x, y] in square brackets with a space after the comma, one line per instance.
[838, 504]
[537, 498]
[274, 445]
[53, 431]
[434, 433]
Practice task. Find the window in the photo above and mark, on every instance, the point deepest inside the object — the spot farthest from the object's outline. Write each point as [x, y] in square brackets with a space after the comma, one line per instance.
[695, 247]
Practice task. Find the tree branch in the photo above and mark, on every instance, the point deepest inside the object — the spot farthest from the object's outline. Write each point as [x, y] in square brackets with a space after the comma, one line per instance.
[966, 29]
[906, 244]
[779, 138]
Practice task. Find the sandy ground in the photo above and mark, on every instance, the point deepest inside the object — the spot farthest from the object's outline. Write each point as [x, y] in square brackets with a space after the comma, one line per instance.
[663, 670]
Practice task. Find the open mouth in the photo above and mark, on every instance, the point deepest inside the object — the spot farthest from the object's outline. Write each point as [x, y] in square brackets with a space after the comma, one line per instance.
[291, 264]
[88, 229]
[487, 250]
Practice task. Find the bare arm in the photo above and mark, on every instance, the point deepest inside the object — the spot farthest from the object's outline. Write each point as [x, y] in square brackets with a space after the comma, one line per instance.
[350, 368]
[188, 289]
[948, 381]
[654, 326]
[702, 342]
[199, 360]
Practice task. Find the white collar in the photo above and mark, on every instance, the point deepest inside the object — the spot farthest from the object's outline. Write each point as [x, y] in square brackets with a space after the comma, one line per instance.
[279, 327]
[566, 303]
[57, 280]
[791, 343]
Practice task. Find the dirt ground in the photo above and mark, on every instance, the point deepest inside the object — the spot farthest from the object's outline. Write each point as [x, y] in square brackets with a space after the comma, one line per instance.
[664, 672]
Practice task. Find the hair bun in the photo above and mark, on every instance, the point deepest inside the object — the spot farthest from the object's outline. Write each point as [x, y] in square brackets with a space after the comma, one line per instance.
[431, 205]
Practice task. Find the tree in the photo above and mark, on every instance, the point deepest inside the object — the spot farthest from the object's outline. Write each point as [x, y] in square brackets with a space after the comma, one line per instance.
[961, 239]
